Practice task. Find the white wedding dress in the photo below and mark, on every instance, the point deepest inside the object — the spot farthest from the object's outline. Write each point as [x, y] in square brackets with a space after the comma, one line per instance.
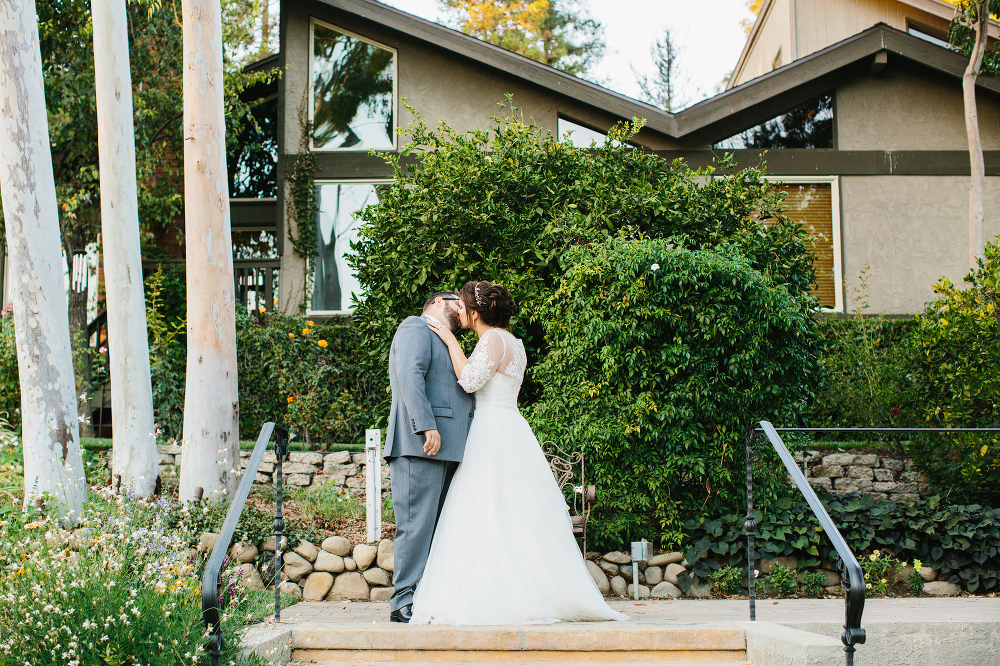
[503, 550]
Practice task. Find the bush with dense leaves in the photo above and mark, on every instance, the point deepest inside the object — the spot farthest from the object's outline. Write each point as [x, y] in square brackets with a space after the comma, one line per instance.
[305, 376]
[505, 203]
[956, 352]
[658, 357]
[961, 542]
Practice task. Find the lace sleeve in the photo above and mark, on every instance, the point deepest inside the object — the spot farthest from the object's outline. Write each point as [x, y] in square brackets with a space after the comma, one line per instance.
[481, 366]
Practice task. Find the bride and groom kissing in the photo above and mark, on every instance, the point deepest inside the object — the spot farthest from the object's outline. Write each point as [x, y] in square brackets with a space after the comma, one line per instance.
[470, 485]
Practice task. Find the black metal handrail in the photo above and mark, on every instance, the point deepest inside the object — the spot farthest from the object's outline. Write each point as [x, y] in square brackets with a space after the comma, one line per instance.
[854, 589]
[854, 601]
[211, 602]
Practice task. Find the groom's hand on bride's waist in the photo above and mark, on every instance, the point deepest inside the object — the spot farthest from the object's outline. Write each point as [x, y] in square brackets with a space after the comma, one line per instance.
[432, 442]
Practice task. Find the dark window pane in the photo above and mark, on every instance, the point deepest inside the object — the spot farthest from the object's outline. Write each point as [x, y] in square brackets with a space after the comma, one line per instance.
[253, 153]
[352, 92]
[254, 244]
[808, 126]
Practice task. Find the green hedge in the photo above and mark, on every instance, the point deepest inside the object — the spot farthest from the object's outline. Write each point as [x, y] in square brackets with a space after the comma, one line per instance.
[962, 542]
[657, 358]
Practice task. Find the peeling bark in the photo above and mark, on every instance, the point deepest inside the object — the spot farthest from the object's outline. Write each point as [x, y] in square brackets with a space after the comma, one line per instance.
[50, 429]
[210, 459]
[135, 457]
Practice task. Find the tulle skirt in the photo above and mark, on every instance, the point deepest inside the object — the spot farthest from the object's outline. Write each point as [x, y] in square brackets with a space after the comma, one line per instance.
[503, 551]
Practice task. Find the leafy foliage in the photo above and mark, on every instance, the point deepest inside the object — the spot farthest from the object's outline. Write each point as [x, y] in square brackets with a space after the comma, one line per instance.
[781, 581]
[559, 33]
[657, 357]
[726, 580]
[812, 583]
[167, 335]
[10, 383]
[962, 542]
[880, 570]
[305, 376]
[962, 32]
[507, 202]
[955, 343]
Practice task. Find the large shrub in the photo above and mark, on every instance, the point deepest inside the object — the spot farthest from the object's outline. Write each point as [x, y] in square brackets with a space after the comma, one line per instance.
[505, 203]
[305, 376]
[658, 357]
[961, 542]
[866, 363]
[956, 351]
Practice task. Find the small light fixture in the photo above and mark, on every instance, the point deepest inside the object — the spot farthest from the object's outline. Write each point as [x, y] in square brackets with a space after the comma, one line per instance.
[640, 553]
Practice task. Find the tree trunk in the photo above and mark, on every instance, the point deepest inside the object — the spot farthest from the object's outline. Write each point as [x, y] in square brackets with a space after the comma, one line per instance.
[210, 457]
[50, 430]
[77, 310]
[135, 457]
[977, 181]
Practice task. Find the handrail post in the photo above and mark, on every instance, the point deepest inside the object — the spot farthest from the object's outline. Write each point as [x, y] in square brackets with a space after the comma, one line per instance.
[751, 526]
[280, 451]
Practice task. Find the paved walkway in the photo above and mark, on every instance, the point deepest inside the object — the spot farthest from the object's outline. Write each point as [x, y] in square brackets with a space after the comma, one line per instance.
[696, 611]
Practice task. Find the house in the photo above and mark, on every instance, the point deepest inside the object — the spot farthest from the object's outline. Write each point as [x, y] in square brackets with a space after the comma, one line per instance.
[863, 126]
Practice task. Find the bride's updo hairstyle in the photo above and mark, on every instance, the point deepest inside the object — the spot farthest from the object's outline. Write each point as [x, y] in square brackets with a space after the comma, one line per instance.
[493, 302]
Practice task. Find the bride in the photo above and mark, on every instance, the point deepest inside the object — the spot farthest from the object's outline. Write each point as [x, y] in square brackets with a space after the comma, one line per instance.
[503, 550]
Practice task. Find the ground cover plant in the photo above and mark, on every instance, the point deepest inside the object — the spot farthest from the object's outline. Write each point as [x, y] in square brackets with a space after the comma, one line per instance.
[124, 588]
[960, 542]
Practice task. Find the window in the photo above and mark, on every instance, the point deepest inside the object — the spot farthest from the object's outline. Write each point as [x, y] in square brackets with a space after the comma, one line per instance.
[353, 92]
[576, 134]
[815, 204]
[808, 126]
[253, 154]
[927, 34]
[336, 227]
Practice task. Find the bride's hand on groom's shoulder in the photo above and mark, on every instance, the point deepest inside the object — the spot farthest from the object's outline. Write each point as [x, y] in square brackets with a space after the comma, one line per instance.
[442, 332]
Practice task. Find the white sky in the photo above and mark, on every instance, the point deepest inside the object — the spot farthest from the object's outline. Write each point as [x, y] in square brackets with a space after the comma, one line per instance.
[706, 32]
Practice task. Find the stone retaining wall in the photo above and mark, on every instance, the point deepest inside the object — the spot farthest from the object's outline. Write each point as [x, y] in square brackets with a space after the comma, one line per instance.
[883, 476]
[302, 469]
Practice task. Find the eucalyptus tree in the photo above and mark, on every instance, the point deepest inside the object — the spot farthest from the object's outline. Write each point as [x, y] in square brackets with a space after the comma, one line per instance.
[135, 455]
[211, 400]
[50, 431]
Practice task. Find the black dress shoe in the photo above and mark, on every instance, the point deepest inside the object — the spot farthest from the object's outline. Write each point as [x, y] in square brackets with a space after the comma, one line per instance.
[402, 614]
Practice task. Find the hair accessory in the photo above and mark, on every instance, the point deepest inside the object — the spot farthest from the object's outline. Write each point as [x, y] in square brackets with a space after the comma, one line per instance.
[479, 301]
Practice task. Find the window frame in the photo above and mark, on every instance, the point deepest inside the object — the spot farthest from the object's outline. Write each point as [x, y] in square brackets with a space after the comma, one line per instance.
[838, 256]
[312, 286]
[313, 22]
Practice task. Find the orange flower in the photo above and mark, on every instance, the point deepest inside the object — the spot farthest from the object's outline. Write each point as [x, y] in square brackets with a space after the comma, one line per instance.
[321, 343]
[291, 335]
[290, 398]
[306, 331]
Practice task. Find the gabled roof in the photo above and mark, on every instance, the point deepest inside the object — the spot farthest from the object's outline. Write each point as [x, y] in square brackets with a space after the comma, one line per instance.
[715, 118]
[940, 8]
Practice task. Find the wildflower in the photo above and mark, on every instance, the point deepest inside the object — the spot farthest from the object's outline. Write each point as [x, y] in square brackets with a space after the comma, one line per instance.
[321, 343]
[306, 331]
[310, 323]
[868, 586]
[655, 267]
[291, 335]
[290, 398]
[884, 581]
[261, 309]
[895, 410]
[917, 564]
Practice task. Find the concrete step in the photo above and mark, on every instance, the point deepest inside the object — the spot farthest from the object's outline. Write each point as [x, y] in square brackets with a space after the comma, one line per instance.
[686, 662]
[571, 643]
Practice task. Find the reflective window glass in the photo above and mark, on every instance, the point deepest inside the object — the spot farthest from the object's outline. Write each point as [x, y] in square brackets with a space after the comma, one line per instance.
[808, 126]
[352, 92]
[578, 135]
[336, 227]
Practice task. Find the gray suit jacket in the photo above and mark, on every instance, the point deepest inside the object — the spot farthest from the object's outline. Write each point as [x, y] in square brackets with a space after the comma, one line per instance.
[425, 395]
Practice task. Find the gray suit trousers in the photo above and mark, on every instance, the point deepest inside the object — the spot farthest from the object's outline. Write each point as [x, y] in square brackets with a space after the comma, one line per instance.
[419, 486]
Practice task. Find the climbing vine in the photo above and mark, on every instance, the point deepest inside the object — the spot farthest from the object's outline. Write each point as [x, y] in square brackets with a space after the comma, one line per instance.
[302, 207]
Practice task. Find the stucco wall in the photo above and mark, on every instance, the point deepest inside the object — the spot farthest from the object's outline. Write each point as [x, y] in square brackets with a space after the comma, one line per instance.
[910, 108]
[439, 84]
[911, 231]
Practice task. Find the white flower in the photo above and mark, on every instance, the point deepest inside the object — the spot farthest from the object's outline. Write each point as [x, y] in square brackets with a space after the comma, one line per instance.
[655, 267]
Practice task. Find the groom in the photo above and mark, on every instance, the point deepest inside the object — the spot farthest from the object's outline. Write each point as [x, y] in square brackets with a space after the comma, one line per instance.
[428, 424]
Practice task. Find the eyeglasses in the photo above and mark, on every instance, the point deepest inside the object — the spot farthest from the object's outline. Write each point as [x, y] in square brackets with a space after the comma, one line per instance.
[450, 298]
